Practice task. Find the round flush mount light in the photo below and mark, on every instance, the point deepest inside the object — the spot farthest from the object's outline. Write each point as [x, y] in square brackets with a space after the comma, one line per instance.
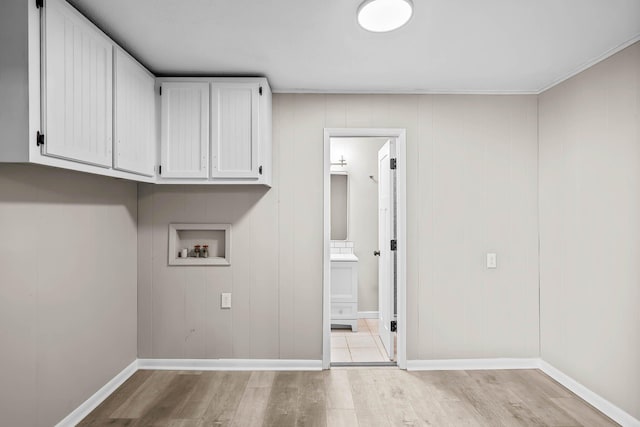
[381, 16]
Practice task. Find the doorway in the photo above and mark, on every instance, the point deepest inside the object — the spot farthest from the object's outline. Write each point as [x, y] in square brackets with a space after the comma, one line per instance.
[355, 320]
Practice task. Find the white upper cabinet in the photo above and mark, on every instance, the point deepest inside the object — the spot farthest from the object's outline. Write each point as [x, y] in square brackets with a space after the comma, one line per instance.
[135, 120]
[77, 87]
[239, 142]
[235, 138]
[185, 130]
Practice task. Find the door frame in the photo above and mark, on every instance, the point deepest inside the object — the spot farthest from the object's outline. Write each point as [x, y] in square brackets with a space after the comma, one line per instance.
[399, 134]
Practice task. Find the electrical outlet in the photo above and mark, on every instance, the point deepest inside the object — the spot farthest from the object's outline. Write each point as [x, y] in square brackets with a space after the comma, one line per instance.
[225, 300]
[492, 260]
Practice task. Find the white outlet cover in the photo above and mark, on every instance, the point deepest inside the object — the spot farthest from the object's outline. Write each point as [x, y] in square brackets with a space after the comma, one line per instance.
[225, 300]
[492, 260]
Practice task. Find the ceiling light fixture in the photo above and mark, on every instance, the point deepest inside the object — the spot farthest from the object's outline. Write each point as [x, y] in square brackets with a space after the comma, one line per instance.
[381, 16]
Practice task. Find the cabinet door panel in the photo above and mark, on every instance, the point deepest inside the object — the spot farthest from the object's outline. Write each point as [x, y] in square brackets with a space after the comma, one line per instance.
[78, 87]
[135, 129]
[185, 130]
[235, 131]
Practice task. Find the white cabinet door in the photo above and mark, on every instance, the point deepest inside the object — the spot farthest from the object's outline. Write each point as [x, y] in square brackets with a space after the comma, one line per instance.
[77, 87]
[135, 119]
[235, 131]
[185, 130]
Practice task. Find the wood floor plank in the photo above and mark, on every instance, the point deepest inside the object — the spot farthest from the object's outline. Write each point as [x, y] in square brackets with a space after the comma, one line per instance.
[392, 391]
[261, 379]
[421, 397]
[100, 415]
[342, 418]
[226, 394]
[311, 410]
[186, 423]
[145, 396]
[281, 408]
[585, 414]
[252, 408]
[204, 391]
[165, 407]
[346, 396]
[538, 382]
[370, 409]
[338, 389]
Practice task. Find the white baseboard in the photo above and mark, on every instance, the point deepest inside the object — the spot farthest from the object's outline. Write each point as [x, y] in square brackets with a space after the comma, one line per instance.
[471, 364]
[231, 364]
[603, 405]
[368, 314]
[98, 397]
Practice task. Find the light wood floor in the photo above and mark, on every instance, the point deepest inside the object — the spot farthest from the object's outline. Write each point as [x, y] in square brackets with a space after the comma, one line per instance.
[344, 397]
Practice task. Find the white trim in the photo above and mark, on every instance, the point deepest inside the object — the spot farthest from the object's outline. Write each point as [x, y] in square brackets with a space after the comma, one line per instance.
[600, 403]
[404, 92]
[400, 136]
[230, 364]
[472, 364]
[590, 64]
[368, 314]
[99, 396]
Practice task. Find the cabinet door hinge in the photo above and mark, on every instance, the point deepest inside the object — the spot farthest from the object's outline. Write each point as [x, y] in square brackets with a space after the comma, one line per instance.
[392, 163]
[160, 170]
[394, 245]
[260, 90]
[260, 170]
[39, 4]
[394, 326]
[39, 139]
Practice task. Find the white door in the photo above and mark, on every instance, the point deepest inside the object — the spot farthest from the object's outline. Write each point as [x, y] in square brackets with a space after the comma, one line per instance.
[235, 131]
[135, 117]
[77, 87]
[385, 235]
[185, 130]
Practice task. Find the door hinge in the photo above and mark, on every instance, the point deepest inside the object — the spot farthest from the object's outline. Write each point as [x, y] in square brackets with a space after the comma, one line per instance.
[260, 90]
[394, 245]
[159, 169]
[392, 163]
[260, 170]
[39, 139]
[160, 90]
[39, 4]
[394, 326]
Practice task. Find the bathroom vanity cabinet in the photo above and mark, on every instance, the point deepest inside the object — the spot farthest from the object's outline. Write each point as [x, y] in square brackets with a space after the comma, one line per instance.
[344, 290]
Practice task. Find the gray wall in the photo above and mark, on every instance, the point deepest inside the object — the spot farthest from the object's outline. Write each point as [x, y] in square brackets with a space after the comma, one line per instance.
[590, 228]
[67, 289]
[472, 188]
[14, 105]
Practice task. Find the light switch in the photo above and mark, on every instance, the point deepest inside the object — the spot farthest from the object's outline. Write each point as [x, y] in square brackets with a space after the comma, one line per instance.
[225, 300]
[492, 260]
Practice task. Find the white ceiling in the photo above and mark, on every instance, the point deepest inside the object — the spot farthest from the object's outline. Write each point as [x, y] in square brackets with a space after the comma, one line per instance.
[310, 46]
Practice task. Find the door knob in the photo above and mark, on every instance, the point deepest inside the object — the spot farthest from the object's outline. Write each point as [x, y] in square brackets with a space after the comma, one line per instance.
[376, 253]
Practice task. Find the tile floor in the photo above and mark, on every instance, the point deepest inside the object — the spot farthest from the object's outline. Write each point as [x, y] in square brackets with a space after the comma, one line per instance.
[361, 346]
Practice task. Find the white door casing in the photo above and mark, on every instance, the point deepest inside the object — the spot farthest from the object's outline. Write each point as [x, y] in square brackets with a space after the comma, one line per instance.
[400, 137]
